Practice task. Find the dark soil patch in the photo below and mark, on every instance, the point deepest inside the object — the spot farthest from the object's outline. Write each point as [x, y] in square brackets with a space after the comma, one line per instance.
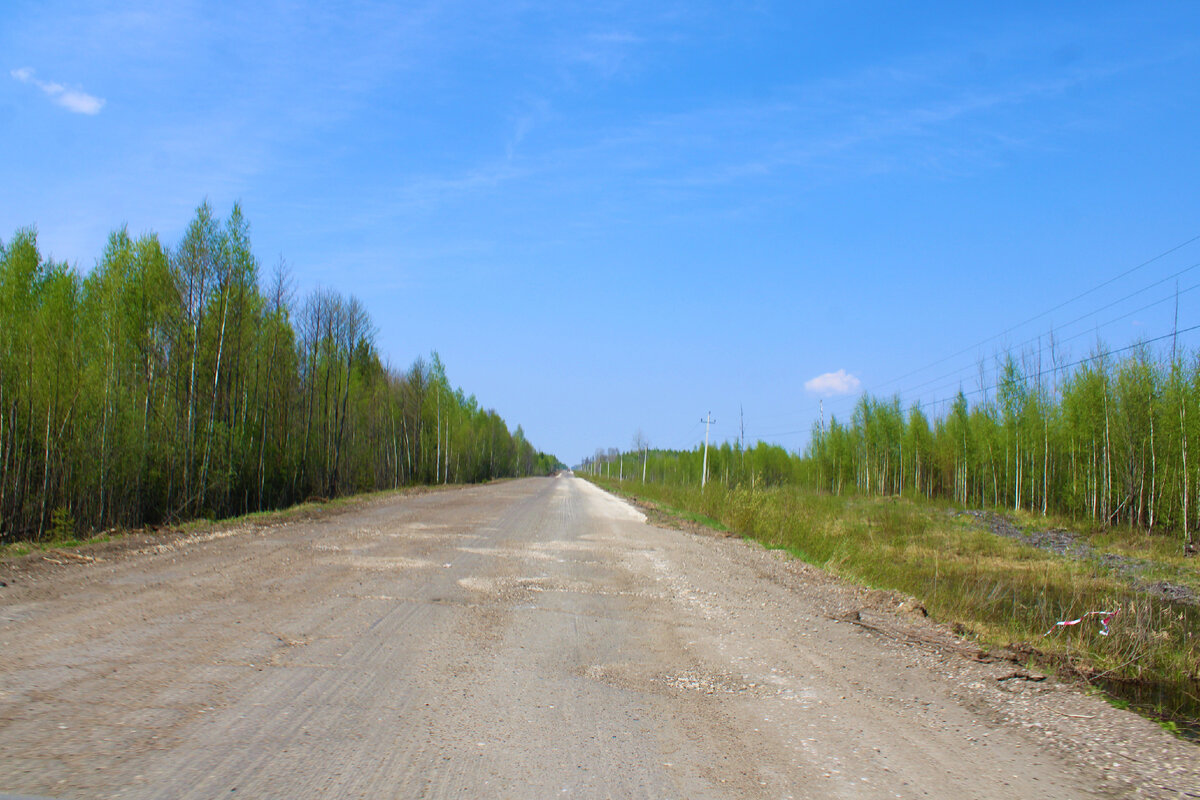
[1064, 543]
[1056, 540]
[1174, 592]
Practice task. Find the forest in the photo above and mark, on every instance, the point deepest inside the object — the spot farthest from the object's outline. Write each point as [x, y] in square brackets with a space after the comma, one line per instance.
[171, 383]
[1111, 439]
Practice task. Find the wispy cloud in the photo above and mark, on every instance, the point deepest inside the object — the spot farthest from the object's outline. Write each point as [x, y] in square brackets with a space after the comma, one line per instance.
[74, 100]
[606, 53]
[929, 116]
[535, 112]
[436, 190]
[833, 383]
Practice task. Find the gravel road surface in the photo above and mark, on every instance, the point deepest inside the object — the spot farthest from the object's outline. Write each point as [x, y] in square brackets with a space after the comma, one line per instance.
[526, 639]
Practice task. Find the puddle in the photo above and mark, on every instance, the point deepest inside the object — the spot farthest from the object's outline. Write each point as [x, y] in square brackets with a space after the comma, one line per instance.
[1177, 703]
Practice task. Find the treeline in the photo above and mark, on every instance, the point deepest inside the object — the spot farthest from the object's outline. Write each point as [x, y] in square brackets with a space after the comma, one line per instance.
[169, 384]
[730, 464]
[1111, 440]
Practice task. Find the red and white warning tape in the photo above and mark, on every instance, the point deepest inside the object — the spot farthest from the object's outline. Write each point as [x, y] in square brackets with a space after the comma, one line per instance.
[1105, 616]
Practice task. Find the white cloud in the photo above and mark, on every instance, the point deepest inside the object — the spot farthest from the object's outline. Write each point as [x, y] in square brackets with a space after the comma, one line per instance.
[80, 102]
[71, 99]
[833, 383]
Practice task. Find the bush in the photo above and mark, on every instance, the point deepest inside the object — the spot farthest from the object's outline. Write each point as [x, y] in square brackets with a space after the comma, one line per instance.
[62, 525]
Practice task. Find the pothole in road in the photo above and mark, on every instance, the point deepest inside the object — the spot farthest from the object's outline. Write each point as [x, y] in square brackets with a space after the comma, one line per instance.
[385, 564]
[505, 586]
[689, 679]
[506, 552]
[696, 680]
[432, 536]
[568, 547]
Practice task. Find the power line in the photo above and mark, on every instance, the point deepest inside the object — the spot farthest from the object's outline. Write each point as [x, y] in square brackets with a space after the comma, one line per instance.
[1041, 373]
[687, 435]
[1073, 337]
[1036, 317]
[760, 436]
[1053, 342]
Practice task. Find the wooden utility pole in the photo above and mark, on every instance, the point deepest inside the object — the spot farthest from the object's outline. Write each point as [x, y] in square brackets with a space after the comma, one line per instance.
[708, 420]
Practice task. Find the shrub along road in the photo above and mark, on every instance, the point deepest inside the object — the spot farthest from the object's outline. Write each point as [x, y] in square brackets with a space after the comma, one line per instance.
[523, 639]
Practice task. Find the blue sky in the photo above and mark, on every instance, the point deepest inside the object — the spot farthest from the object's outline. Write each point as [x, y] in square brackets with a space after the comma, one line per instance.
[609, 216]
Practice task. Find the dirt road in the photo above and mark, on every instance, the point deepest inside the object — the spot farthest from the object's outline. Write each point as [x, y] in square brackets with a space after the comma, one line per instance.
[526, 639]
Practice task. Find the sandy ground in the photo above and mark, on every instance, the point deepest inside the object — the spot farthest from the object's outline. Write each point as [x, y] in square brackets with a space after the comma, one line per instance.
[526, 639]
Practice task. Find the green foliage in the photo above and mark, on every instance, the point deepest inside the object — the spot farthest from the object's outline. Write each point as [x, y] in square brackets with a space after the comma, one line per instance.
[62, 525]
[1108, 443]
[168, 384]
[729, 464]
